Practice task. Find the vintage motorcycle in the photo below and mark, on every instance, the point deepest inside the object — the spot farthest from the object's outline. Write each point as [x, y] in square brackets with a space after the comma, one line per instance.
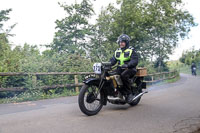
[106, 86]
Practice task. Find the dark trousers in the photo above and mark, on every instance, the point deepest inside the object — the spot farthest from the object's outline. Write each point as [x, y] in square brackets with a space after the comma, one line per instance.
[126, 74]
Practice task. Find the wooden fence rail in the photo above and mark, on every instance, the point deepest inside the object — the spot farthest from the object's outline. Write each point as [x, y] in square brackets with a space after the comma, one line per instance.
[153, 78]
[43, 73]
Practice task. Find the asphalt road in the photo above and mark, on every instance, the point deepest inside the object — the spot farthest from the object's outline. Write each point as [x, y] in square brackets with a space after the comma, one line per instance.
[167, 108]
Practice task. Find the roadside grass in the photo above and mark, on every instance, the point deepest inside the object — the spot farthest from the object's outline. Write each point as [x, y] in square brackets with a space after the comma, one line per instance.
[167, 81]
[173, 80]
[34, 96]
[187, 70]
[182, 68]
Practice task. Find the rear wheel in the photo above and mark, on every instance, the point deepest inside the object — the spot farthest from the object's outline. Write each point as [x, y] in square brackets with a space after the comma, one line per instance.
[90, 102]
[137, 89]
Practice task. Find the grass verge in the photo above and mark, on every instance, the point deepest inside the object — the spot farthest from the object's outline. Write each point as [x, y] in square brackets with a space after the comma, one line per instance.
[173, 80]
[34, 96]
[187, 70]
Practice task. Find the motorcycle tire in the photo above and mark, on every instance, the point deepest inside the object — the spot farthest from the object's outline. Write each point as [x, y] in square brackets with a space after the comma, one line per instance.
[82, 105]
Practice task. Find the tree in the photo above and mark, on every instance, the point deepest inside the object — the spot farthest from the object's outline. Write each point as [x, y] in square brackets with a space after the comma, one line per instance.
[190, 56]
[168, 22]
[4, 17]
[74, 30]
[129, 19]
[102, 47]
[154, 26]
[5, 48]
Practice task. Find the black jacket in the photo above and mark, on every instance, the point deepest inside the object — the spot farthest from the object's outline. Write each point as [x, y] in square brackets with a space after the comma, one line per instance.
[193, 66]
[132, 63]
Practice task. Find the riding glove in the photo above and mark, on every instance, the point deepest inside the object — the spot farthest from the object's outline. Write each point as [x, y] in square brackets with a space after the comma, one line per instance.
[125, 66]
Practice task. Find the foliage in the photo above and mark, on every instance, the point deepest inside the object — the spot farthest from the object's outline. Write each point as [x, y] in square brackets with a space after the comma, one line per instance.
[36, 95]
[9, 61]
[154, 26]
[168, 21]
[102, 43]
[30, 60]
[3, 17]
[191, 56]
[174, 65]
[74, 30]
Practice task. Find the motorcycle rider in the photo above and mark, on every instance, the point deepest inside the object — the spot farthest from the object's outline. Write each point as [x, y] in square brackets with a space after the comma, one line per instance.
[193, 69]
[127, 61]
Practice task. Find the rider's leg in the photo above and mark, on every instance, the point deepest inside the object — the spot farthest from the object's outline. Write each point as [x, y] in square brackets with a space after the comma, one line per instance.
[126, 75]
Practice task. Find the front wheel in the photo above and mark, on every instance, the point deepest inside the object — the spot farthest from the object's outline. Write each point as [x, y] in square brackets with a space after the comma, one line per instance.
[90, 102]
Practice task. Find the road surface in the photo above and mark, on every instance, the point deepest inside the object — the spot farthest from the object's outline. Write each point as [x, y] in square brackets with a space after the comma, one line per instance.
[167, 108]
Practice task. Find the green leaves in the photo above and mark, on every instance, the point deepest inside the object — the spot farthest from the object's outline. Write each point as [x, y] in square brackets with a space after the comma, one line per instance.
[74, 29]
[169, 23]
[190, 56]
[4, 17]
[154, 26]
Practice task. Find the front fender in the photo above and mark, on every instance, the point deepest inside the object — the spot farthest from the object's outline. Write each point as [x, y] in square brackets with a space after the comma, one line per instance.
[92, 81]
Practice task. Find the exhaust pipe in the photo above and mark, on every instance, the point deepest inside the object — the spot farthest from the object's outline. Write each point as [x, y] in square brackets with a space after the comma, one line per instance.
[139, 95]
[117, 100]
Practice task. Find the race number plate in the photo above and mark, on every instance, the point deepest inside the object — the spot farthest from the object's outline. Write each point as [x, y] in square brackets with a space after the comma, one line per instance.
[97, 68]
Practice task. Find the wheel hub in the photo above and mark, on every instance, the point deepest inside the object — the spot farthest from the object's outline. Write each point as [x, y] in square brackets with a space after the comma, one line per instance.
[90, 98]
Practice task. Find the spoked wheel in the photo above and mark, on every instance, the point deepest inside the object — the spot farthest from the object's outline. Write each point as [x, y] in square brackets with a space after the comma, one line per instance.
[90, 103]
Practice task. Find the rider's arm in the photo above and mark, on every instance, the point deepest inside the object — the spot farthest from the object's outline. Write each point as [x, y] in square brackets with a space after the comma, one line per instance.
[134, 60]
[113, 60]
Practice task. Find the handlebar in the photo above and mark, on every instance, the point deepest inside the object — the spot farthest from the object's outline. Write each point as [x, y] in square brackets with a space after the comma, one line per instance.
[108, 66]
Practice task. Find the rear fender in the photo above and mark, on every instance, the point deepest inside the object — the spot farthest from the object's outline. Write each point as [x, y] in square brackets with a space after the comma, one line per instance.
[144, 85]
[140, 83]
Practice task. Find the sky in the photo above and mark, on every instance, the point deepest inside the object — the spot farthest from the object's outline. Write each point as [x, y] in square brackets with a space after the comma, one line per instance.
[36, 21]
[36, 18]
[194, 36]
